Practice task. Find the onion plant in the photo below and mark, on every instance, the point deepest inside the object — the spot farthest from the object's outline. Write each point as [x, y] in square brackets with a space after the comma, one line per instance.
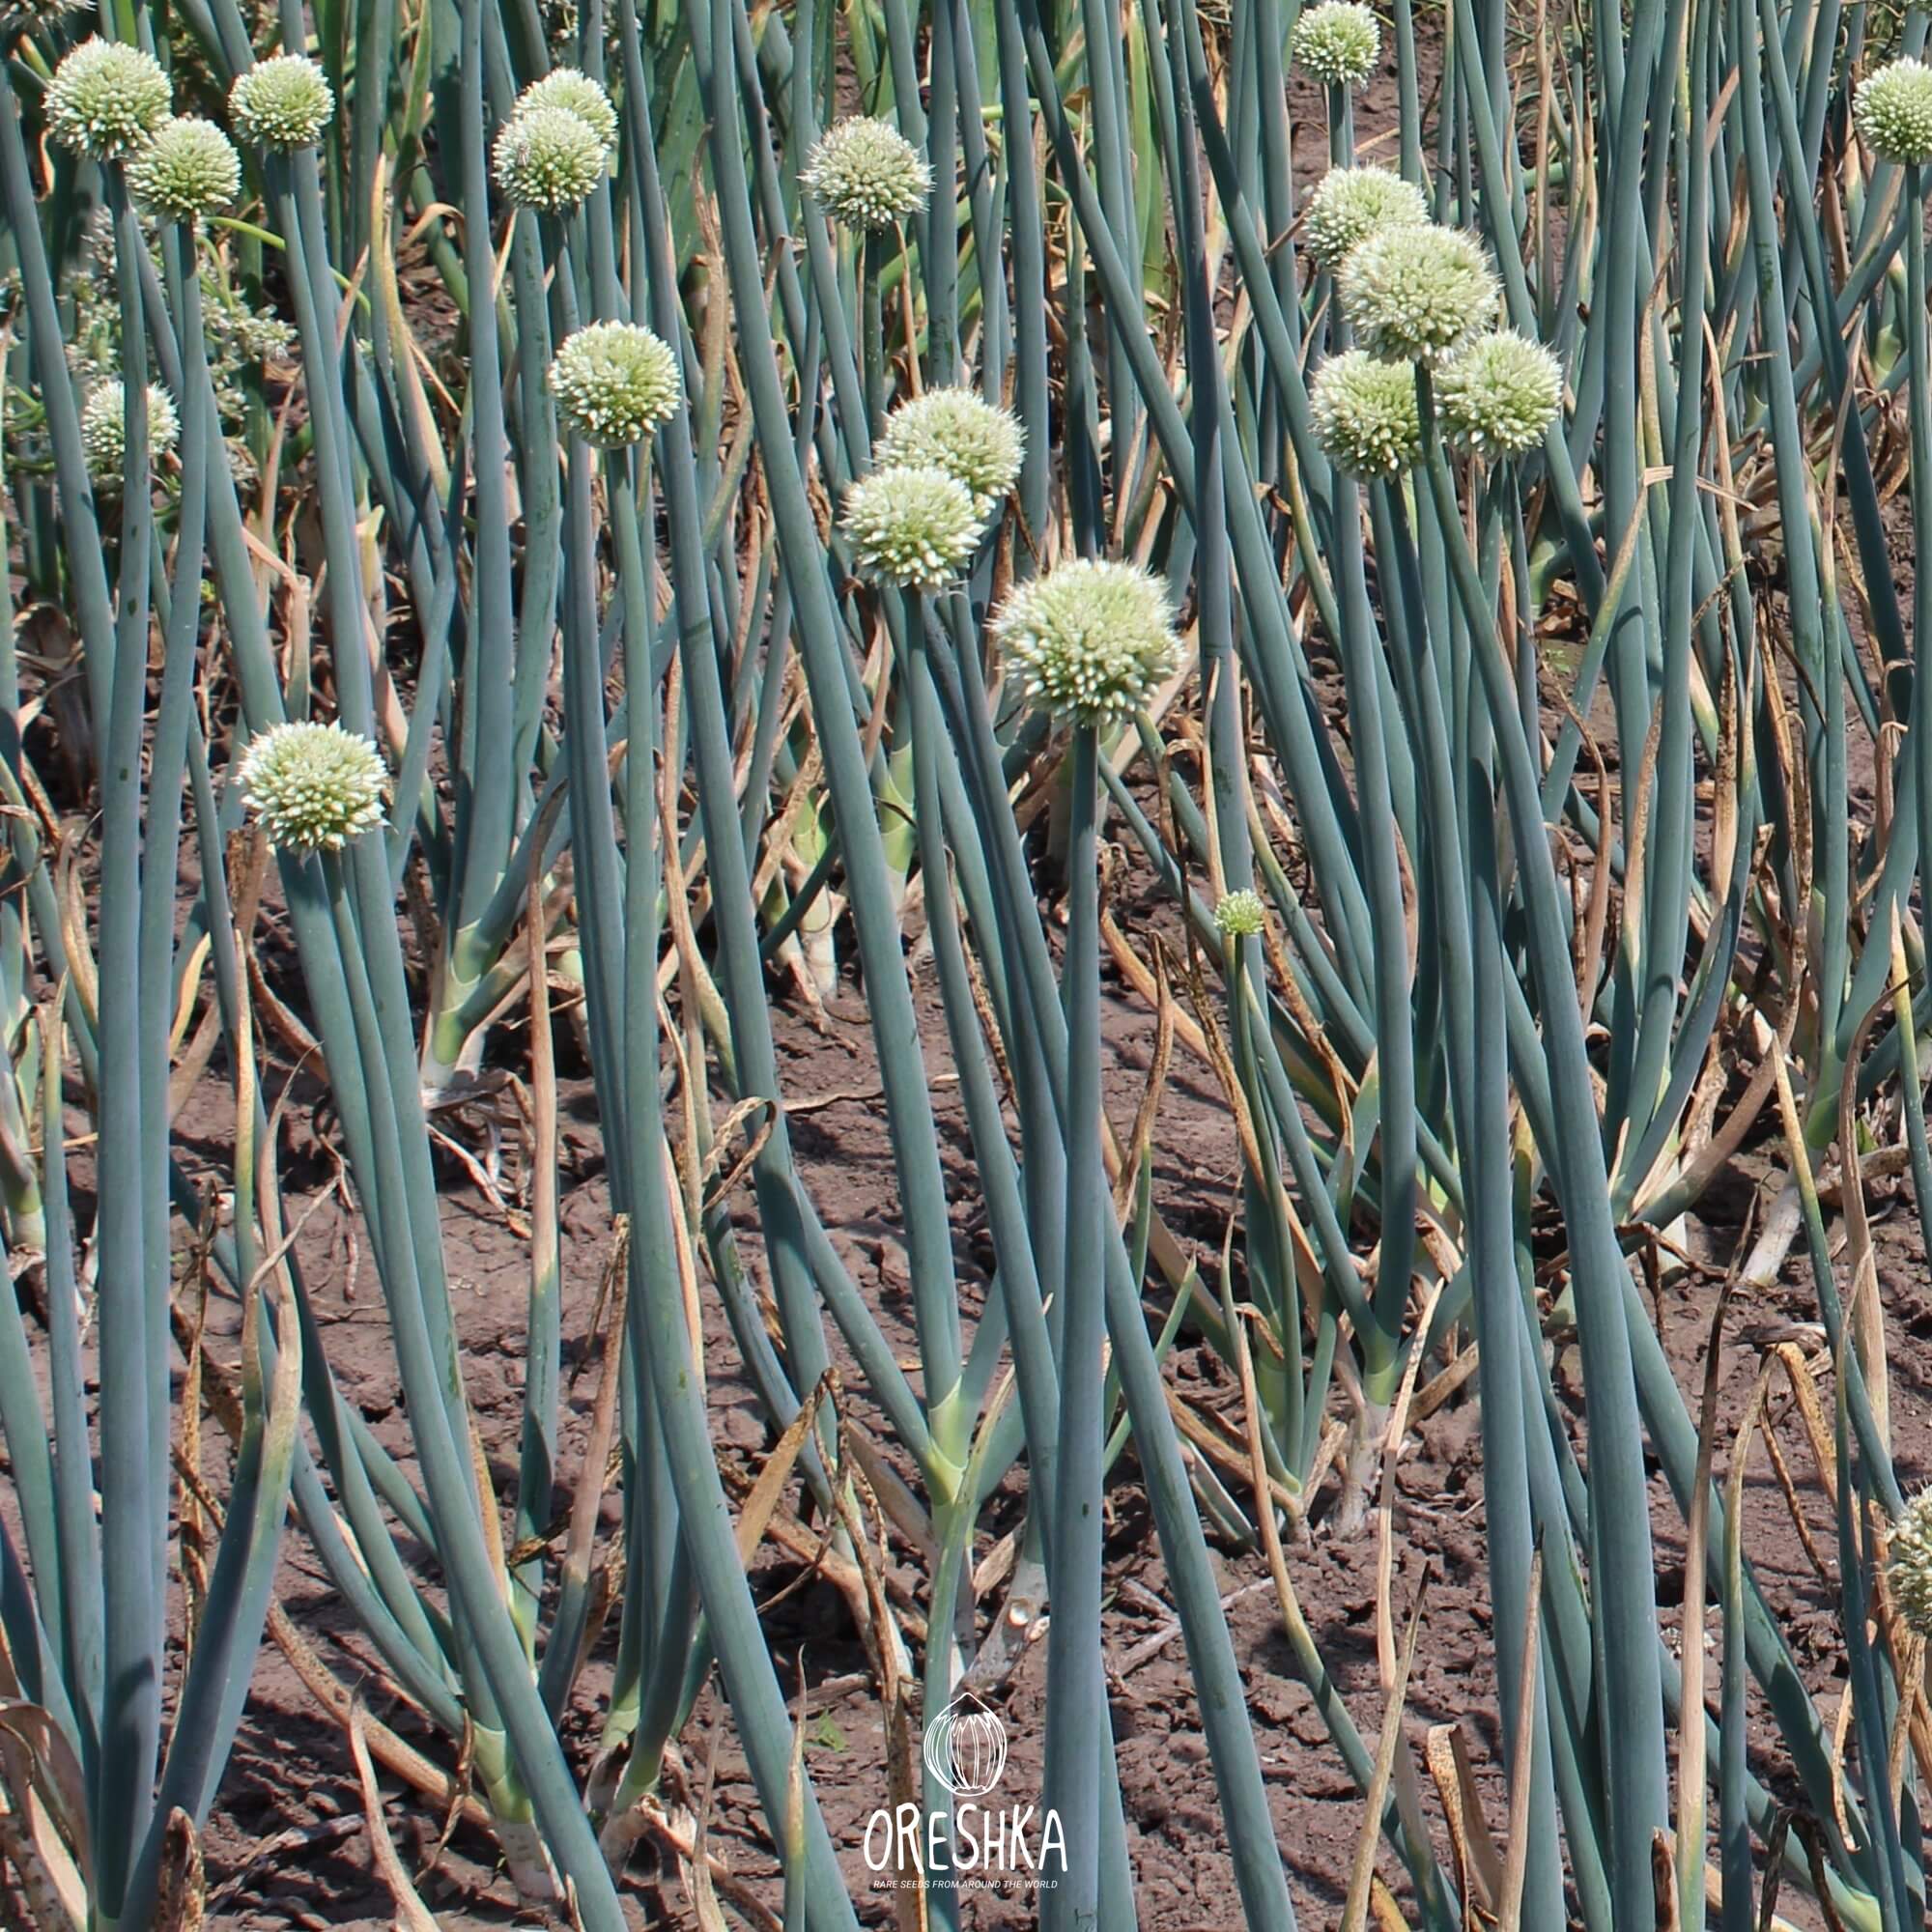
[833, 489]
[102, 1814]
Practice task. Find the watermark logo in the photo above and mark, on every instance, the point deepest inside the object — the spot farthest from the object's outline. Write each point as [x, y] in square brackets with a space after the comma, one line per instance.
[967, 1844]
[965, 1747]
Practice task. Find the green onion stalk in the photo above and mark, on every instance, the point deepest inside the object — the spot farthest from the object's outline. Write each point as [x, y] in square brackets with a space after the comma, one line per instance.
[1630, 1695]
[135, 1284]
[1920, 413]
[85, 1635]
[1076, 1698]
[342, 906]
[1392, 1005]
[1458, 788]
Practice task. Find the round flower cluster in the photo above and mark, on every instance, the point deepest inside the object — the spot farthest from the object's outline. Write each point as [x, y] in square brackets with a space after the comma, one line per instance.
[103, 429]
[1240, 915]
[548, 158]
[1499, 395]
[957, 430]
[1910, 1565]
[1415, 294]
[106, 97]
[281, 103]
[1893, 111]
[314, 786]
[615, 382]
[1337, 42]
[1350, 203]
[866, 174]
[912, 525]
[574, 91]
[1366, 415]
[1089, 641]
[189, 168]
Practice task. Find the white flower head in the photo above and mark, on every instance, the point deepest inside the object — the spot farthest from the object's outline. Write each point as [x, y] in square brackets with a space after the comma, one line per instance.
[1240, 915]
[574, 91]
[106, 97]
[103, 429]
[1337, 42]
[957, 430]
[1909, 1564]
[1089, 641]
[281, 103]
[548, 158]
[912, 525]
[615, 382]
[1499, 394]
[1349, 205]
[1893, 111]
[1415, 294]
[189, 169]
[1366, 415]
[866, 174]
[314, 786]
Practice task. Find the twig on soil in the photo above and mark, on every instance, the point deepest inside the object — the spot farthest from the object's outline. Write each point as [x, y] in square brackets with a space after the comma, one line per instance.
[293, 1839]
[1153, 1646]
[412, 1914]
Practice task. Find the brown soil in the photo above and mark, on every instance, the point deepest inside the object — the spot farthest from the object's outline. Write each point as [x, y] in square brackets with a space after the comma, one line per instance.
[288, 1846]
